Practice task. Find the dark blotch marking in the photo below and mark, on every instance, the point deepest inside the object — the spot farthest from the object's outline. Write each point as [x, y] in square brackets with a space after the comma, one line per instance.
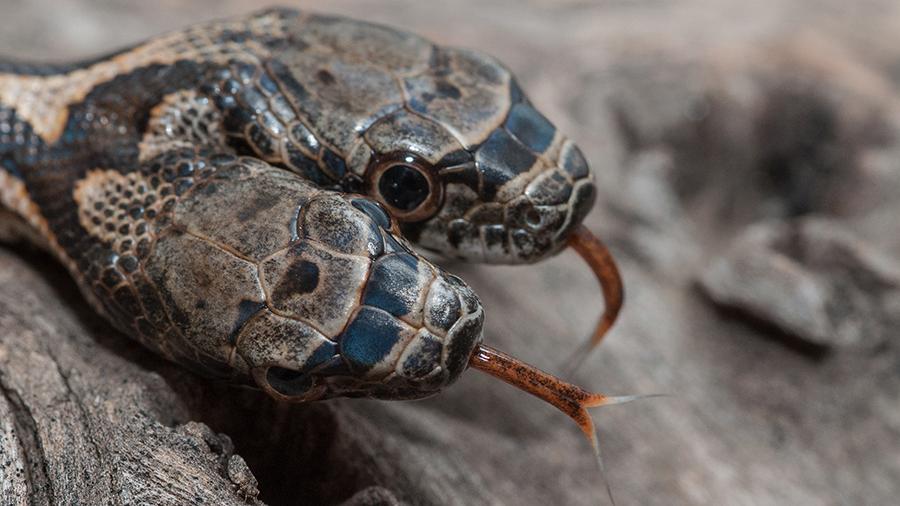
[246, 309]
[461, 346]
[292, 382]
[295, 91]
[333, 367]
[301, 277]
[369, 338]
[334, 164]
[392, 284]
[447, 89]
[128, 263]
[112, 277]
[209, 189]
[302, 135]
[574, 163]
[516, 94]
[267, 84]
[325, 77]
[235, 118]
[181, 187]
[495, 235]
[303, 165]
[10, 165]
[468, 175]
[455, 157]
[254, 100]
[261, 140]
[420, 105]
[500, 159]
[323, 354]
[426, 356]
[530, 127]
[457, 231]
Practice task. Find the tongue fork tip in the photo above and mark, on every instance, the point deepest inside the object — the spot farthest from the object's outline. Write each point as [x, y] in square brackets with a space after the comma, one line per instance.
[572, 400]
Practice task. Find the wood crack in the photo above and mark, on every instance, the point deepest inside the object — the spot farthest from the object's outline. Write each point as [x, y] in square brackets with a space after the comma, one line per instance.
[38, 485]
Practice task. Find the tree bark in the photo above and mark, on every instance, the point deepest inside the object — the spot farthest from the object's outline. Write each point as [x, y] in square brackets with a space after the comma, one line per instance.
[81, 423]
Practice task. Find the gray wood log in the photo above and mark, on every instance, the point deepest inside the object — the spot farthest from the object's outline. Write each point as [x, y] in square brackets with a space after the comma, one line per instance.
[80, 423]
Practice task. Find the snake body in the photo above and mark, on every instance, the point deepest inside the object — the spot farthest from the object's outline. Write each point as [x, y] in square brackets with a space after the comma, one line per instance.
[243, 196]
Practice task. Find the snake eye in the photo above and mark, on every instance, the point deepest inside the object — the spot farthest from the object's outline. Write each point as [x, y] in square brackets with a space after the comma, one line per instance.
[288, 382]
[403, 187]
[406, 186]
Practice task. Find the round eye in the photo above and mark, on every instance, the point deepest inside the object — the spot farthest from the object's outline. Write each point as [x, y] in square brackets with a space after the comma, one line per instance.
[403, 187]
[406, 186]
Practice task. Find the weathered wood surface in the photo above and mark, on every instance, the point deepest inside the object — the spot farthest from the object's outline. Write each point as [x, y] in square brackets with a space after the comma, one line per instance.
[700, 119]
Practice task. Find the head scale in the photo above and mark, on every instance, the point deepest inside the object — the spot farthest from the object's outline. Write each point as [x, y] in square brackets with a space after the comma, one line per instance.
[377, 320]
[311, 293]
[443, 137]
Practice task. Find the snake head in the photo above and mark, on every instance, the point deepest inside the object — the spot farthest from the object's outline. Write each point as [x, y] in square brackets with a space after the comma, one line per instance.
[472, 170]
[411, 336]
[443, 137]
[309, 293]
[351, 310]
[506, 200]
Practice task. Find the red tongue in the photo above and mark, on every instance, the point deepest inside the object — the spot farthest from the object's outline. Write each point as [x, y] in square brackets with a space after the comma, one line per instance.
[601, 262]
[568, 398]
[572, 400]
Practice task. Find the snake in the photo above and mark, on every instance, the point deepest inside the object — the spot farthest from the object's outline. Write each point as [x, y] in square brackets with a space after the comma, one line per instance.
[252, 199]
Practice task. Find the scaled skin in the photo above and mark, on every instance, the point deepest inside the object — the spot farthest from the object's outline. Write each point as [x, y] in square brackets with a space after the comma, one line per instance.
[329, 98]
[191, 184]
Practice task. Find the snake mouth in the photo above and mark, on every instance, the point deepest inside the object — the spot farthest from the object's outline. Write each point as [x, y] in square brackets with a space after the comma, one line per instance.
[521, 231]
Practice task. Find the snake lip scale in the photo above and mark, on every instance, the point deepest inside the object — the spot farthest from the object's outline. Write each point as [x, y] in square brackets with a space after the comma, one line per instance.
[246, 197]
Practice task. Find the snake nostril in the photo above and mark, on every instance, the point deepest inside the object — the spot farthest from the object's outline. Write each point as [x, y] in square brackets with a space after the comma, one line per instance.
[533, 218]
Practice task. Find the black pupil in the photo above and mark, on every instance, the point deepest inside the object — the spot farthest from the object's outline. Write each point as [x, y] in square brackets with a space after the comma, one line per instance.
[403, 187]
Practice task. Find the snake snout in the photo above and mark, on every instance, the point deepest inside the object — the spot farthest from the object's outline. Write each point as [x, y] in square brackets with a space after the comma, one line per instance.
[539, 221]
[413, 331]
[453, 307]
[452, 319]
[570, 185]
[535, 216]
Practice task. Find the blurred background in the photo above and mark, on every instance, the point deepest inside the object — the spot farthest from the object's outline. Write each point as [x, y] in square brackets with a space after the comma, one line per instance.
[748, 160]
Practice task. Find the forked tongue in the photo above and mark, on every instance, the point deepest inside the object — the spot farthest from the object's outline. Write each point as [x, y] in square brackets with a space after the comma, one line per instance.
[568, 398]
[601, 262]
